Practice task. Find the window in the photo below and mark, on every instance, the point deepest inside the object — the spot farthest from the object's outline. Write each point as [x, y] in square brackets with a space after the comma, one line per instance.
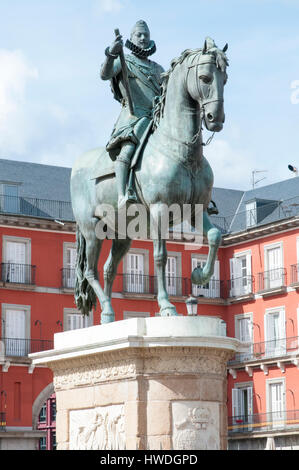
[275, 332]
[134, 277]
[69, 265]
[9, 200]
[212, 288]
[274, 272]
[16, 329]
[244, 332]
[47, 423]
[242, 409]
[276, 402]
[74, 320]
[170, 275]
[240, 274]
[251, 215]
[17, 258]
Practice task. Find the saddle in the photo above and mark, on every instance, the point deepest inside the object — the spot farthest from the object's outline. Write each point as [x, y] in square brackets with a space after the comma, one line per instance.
[107, 171]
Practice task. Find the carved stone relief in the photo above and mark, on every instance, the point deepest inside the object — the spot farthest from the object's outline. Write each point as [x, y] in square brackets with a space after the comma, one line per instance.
[195, 425]
[100, 428]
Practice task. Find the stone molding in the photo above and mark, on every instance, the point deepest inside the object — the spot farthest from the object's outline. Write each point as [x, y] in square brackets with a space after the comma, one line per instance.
[118, 365]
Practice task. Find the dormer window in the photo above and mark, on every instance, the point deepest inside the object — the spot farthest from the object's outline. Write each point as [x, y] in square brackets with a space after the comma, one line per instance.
[251, 215]
[9, 197]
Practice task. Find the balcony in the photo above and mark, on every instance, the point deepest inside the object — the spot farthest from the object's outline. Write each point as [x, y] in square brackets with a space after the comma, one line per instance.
[136, 284]
[35, 207]
[18, 273]
[175, 286]
[241, 287]
[272, 282]
[268, 350]
[261, 422]
[20, 347]
[2, 421]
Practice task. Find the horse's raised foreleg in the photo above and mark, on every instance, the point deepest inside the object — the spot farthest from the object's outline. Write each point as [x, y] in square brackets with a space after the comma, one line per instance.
[201, 276]
[160, 257]
[118, 250]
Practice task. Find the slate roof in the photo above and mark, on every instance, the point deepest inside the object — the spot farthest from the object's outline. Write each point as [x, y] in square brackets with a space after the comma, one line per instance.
[50, 185]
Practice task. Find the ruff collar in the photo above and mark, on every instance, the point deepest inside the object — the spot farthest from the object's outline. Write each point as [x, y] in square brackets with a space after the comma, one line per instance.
[139, 52]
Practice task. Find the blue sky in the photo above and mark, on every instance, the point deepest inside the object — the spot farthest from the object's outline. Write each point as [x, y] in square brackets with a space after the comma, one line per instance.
[54, 106]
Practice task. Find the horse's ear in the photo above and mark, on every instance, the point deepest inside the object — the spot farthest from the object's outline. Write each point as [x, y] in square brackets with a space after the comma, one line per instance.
[225, 48]
[209, 43]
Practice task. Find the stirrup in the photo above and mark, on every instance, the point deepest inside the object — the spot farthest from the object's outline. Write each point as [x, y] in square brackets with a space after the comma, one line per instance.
[212, 210]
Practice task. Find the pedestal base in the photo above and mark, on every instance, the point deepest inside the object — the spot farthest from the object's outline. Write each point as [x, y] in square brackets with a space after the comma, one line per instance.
[143, 383]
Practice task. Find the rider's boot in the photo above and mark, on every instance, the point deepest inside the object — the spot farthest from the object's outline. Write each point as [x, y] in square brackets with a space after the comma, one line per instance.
[121, 172]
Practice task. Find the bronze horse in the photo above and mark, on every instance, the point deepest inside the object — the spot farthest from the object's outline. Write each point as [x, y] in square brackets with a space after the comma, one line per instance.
[173, 170]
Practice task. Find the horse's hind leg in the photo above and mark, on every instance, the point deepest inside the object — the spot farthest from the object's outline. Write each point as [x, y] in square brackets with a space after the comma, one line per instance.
[160, 257]
[118, 250]
[93, 247]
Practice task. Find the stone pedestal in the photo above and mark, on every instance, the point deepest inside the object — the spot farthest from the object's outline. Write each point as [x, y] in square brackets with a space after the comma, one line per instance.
[143, 383]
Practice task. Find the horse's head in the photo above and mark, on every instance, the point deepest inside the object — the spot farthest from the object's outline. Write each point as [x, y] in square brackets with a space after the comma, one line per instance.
[206, 79]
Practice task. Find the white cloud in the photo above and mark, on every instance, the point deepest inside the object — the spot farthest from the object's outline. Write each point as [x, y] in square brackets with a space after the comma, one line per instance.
[108, 6]
[232, 167]
[16, 73]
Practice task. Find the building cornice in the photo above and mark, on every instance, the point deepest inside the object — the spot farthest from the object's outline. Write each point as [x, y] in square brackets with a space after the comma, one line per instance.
[36, 223]
[260, 232]
[56, 226]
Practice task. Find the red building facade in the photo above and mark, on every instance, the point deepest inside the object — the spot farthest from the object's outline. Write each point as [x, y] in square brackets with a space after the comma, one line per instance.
[254, 290]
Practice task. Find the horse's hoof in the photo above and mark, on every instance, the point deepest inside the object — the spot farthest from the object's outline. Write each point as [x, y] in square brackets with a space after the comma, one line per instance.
[198, 277]
[107, 318]
[168, 312]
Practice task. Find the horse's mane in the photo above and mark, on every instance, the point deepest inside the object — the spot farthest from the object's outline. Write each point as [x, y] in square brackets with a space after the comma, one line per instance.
[159, 104]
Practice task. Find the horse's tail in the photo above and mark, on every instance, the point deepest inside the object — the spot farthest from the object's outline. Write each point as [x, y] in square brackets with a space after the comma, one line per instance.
[85, 297]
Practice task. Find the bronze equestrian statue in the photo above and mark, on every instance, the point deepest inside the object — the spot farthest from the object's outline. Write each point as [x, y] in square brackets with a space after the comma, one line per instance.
[170, 168]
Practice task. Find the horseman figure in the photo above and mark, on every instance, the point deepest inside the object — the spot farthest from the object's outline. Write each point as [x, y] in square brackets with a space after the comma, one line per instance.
[139, 83]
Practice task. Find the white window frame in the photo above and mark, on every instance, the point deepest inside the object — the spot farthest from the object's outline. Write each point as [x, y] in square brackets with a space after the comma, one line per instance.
[269, 382]
[2, 193]
[141, 282]
[236, 287]
[20, 276]
[4, 312]
[72, 311]
[69, 277]
[174, 288]
[26, 241]
[213, 291]
[271, 350]
[238, 387]
[251, 214]
[267, 248]
[242, 316]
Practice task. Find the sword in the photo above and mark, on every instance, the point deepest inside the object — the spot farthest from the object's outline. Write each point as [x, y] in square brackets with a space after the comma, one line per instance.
[125, 76]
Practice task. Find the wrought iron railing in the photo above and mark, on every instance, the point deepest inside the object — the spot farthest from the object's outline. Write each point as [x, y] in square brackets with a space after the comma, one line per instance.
[2, 421]
[263, 421]
[20, 347]
[241, 286]
[176, 286]
[267, 350]
[146, 284]
[36, 207]
[262, 215]
[18, 273]
[272, 279]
